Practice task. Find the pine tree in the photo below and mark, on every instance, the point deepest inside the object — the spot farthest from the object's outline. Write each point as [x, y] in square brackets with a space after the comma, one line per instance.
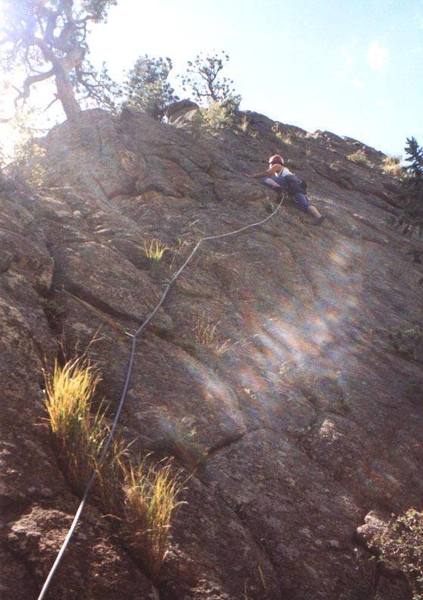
[413, 185]
[206, 84]
[147, 87]
[415, 158]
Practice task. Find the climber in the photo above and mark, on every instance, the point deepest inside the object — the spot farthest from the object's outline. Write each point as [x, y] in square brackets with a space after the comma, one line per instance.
[279, 178]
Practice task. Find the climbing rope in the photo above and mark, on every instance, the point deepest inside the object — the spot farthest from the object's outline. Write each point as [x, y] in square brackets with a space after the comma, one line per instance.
[128, 375]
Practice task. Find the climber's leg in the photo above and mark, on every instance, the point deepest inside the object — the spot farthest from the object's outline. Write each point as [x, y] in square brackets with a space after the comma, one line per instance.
[312, 210]
[302, 201]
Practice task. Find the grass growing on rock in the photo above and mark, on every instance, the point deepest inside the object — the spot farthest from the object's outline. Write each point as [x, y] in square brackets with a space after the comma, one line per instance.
[206, 334]
[150, 496]
[359, 157]
[79, 433]
[391, 165]
[205, 331]
[69, 390]
[154, 250]
[143, 495]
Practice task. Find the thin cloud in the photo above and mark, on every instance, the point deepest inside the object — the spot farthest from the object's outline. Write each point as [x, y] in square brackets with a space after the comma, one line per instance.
[349, 54]
[348, 58]
[357, 83]
[377, 56]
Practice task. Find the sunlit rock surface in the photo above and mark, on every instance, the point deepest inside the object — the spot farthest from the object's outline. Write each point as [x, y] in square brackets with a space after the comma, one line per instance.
[272, 372]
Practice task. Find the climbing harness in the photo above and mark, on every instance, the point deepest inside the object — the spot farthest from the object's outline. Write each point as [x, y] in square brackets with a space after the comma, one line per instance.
[128, 375]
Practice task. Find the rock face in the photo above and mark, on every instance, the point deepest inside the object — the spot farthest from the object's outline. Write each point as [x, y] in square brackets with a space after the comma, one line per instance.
[270, 373]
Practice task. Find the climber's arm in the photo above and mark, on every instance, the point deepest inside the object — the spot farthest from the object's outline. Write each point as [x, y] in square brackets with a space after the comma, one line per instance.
[268, 173]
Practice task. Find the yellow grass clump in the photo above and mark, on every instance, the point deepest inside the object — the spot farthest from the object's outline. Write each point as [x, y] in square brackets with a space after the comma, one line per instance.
[391, 165]
[69, 391]
[151, 496]
[360, 158]
[78, 432]
[155, 249]
[142, 496]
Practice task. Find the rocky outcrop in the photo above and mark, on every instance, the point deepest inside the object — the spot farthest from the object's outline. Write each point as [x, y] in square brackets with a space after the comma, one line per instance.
[295, 417]
[180, 113]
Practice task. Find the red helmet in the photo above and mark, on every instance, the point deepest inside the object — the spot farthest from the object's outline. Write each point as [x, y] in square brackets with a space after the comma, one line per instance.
[276, 159]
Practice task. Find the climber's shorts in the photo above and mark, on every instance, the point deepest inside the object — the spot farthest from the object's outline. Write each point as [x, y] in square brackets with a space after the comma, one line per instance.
[301, 201]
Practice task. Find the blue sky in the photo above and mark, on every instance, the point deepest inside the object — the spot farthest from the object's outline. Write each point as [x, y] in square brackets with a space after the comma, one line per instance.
[351, 67]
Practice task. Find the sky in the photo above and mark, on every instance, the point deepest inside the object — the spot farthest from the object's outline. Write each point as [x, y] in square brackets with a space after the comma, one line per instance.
[353, 67]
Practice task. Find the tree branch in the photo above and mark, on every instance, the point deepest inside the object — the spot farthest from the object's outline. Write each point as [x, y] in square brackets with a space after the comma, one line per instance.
[51, 25]
[56, 99]
[29, 82]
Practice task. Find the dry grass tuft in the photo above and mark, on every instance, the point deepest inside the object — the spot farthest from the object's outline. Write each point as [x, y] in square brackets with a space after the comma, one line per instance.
[360, 158]
[151, 496]
[391, 166]
[282, 136]
[155, 249]
[78, 432]
[69, 391]
[109, 476]
[206, 333]
[144, 496]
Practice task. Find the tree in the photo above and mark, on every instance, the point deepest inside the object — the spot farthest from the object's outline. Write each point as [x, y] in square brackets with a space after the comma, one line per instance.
[415, 157]
[414, 182]
[147, 87]
[48, 39]
[204, 80]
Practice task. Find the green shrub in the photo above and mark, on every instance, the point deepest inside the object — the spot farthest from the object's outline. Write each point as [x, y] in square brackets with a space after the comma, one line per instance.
[219, 115]
[30, 162]
[216, 117]
[400, 546]
[408, 341]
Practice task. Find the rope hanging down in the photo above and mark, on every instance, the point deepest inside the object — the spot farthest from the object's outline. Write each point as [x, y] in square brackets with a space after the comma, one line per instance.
[125, 389]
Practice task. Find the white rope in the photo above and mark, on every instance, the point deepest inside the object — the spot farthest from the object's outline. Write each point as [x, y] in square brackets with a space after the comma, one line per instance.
[129, 370]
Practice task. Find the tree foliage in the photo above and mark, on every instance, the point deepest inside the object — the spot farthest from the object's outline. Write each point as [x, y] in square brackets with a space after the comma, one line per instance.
[206, 83]
[413, 184]
[414, 156]
[25, 159]
[47, 39]
[147, 87]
